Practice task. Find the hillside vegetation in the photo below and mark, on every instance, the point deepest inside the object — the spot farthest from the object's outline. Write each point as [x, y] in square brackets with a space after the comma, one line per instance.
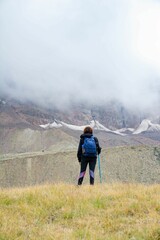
[61, 211]
[130, 164]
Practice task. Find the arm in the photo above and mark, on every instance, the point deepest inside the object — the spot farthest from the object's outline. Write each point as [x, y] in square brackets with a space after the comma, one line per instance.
[97, 145]
[79, 152]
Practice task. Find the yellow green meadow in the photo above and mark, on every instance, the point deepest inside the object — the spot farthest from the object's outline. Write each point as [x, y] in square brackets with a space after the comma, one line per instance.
[62, 211]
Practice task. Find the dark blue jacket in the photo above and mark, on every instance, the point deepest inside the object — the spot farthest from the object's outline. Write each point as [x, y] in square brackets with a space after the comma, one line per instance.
[88, 135]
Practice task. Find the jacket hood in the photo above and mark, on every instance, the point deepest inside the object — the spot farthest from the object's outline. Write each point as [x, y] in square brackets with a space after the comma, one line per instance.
[88, 135]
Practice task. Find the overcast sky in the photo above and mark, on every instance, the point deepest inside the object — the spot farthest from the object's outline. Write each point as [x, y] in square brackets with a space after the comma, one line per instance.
[57, 51]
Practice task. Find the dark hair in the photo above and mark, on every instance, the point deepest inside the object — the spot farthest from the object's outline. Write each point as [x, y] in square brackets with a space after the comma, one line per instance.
[88, 130]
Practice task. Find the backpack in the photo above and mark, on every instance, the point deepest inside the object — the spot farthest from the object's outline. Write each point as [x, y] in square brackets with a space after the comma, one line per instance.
[89, 147]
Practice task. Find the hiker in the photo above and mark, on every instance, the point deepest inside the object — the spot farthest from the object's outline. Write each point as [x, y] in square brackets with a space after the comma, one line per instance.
[87, 154]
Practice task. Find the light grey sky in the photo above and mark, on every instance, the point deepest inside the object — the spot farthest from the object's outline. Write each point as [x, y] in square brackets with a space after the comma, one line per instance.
[57, 51]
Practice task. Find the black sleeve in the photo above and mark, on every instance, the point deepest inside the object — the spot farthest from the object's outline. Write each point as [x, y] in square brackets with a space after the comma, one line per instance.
[79, 152]
[97, 145]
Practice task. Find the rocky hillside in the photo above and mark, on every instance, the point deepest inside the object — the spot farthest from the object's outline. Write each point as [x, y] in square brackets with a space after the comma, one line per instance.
[120, 164]
[112, 115]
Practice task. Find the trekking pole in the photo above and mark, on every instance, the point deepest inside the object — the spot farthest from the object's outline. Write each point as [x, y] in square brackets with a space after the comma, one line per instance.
[99, 167]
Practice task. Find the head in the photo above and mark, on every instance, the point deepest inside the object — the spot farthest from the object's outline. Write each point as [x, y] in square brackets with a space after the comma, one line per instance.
[88, 130]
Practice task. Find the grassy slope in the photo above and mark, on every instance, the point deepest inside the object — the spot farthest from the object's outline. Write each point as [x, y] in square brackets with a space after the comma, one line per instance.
[123, 164]
[119, 212]
[27, 140]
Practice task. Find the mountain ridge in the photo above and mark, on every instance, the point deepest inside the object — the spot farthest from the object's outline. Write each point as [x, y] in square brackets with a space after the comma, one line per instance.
[145, 125]
[111, 115]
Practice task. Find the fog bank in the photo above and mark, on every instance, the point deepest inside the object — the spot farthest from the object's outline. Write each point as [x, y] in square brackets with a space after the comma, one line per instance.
[62, 51]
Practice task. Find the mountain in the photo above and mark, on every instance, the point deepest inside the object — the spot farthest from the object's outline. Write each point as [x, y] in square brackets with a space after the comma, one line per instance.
[26, 127]
[112, 115]
[37, 143]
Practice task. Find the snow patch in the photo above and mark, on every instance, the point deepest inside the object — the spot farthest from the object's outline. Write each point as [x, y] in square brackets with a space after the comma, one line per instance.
[154, 128]
[51, 125]
[93, 124]
[143, 126]
[98, 126]
[73, 127]
[124, 130]
[147, 125]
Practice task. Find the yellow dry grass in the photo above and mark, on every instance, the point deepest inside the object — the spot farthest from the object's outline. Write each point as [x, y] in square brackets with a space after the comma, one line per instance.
[102, 212]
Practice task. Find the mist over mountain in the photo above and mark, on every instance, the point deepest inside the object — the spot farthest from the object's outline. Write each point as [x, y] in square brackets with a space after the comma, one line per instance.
[112, 115]
[59, 53]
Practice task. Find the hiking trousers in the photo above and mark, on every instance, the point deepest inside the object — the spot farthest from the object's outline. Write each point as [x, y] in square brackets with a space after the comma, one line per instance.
[84, 162]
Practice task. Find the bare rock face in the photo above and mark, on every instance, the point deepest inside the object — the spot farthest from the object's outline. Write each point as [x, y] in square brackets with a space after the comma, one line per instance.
[112, 115]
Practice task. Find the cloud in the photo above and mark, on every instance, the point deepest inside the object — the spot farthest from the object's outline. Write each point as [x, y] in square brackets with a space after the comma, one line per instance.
[62, 51]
